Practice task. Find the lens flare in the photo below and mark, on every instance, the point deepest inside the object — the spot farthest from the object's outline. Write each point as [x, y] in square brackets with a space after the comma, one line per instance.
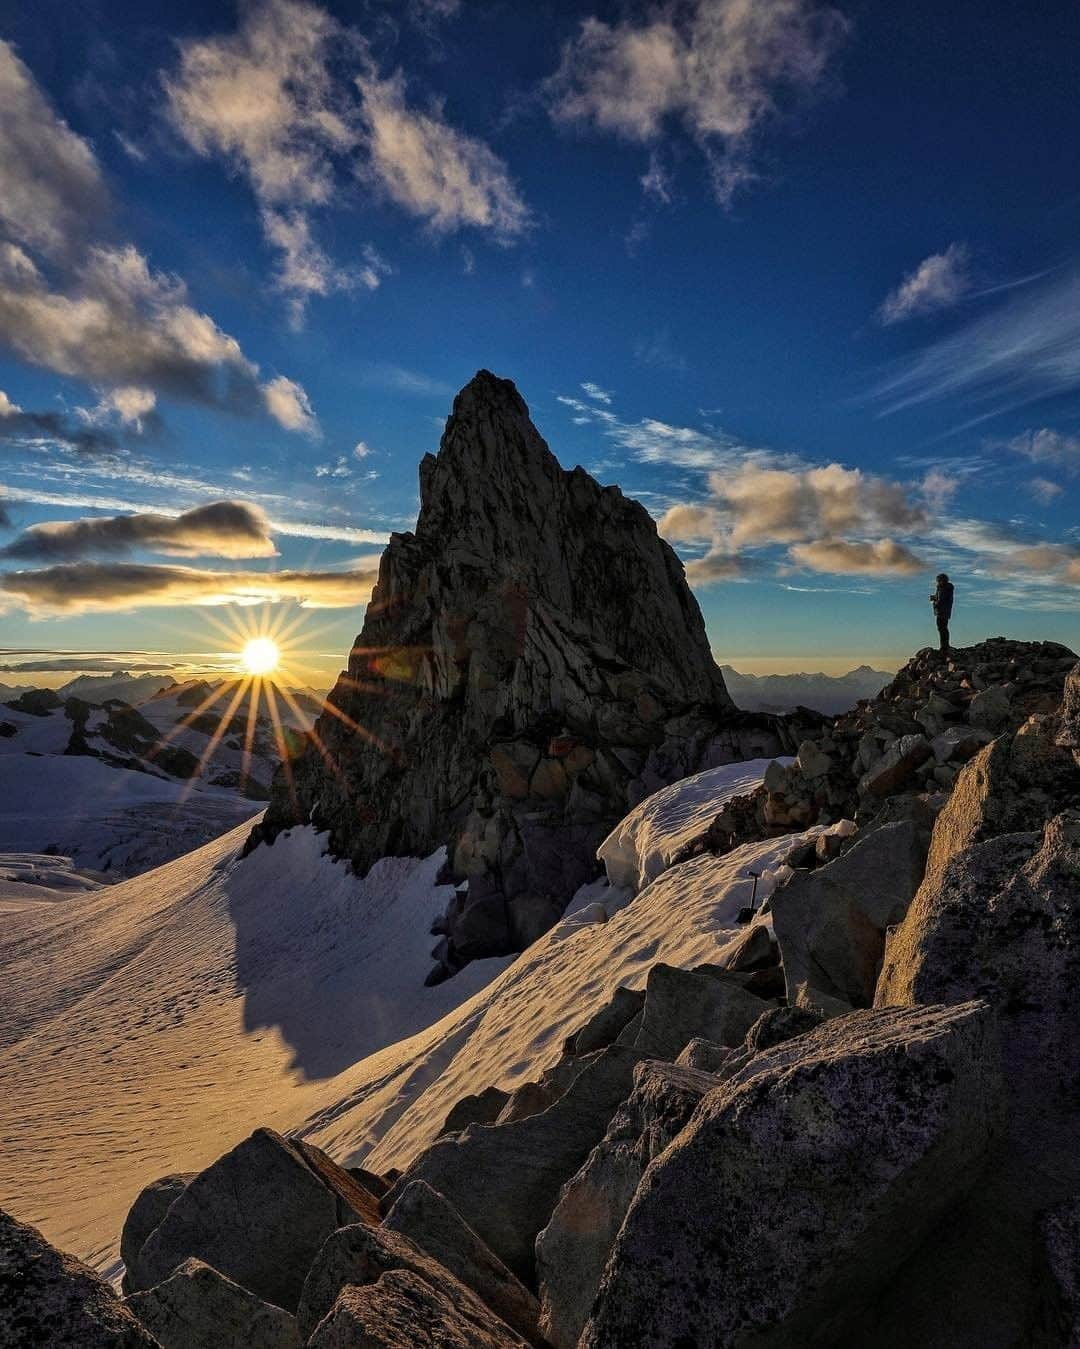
[260, 656]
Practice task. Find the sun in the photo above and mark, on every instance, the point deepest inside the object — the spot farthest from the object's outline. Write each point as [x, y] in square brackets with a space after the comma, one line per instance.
[260, 656]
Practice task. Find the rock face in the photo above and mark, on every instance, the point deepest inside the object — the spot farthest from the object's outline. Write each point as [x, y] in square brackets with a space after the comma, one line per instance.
[532, 663]
[404, 1311]
[433, 1224]
[831, 922]
[198, 1308]
[803, 1183]
[504, 1178]
[48, 1298]
[145, 1214]
[362, 1256]
[572, 1250]
[258, 1215]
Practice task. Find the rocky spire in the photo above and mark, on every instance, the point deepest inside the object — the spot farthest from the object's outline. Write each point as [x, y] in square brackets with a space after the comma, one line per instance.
[532, 662]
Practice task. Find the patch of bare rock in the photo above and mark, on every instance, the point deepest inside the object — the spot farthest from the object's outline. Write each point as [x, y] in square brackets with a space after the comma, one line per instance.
[859, 1126]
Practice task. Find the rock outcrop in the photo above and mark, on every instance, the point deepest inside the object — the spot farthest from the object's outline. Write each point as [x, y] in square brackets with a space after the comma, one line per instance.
[532, 664]
[258, 1215]
[49, 1298]
[801, 1185]
[198, 1308]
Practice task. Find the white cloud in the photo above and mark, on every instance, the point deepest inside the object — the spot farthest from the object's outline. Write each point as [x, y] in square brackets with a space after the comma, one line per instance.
[1044, 490]
[129, 404]
[337, 468]
[1026, 349]
[7, 407]
[656, 180]
[718, 67]
[595, 392]
[361, 450]
[1046, 446]
[290, 99]
[938, 282]
[431, 169]
[52, 193]
[288, 404]
[939, 487]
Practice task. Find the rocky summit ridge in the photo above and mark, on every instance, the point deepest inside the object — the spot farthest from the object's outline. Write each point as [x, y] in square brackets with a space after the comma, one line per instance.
[532, 663]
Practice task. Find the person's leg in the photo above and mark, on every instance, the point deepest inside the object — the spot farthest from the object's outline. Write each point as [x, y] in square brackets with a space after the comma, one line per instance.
[943, 633]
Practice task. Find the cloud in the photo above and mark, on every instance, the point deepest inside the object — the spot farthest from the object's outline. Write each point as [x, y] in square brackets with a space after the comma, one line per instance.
[397, 379]
[841, 557]
[719, 68]
[52, 192]
[1026, 349]
[1044, 490]
[361, 451]
[122, 324]
[19, 427]
[775, 505]
[656, 180]
[233, 529]
[98, 312]
[291, 99]
[265, 99]
[939, 282]
[288, 404]
[939, 487]
[1054, 562]
[714, 567]
[595, 392]
[83, 587]
[432, 170]
[658, 352]
[1046, 446]
[5, 515]
[685, 523]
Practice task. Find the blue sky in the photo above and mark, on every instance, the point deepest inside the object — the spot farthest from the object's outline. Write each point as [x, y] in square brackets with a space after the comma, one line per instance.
[802, 277]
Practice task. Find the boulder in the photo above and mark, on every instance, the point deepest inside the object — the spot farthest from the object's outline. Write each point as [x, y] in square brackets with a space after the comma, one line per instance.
[811, 761]
[147, 1211]
[433, 1224]
[198, 1308]
[1001, 921]
[705, 1055]
[360, 1255]
[573, 1248]
[990, 709]
[803, 1183]
[771, 1028]
[958, 744]
[482, 1108]
[604, 1026]
[49, 1298]
[831, 923]
[753, 949]
[1068, 731]
[897, 766]
[681, 1005]
[504, 1178]
[404, 1311]
[1012, 785]
[258, 1215]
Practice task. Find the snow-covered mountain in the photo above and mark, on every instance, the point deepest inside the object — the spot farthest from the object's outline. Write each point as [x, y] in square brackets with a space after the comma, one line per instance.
[831, 694]
[121, 789]
[175, 1011]
[131, 688]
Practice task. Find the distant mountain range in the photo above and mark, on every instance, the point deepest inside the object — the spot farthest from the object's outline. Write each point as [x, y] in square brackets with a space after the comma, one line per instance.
[830, 694]
[132, 688]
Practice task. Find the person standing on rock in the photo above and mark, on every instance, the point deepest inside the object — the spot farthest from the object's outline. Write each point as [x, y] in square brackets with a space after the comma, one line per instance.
[942, 600]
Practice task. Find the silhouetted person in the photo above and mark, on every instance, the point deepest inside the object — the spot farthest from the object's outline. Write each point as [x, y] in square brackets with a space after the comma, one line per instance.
[942, 599]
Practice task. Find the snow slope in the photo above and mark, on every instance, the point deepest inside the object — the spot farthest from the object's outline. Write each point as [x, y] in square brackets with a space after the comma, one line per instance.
[148, 1026]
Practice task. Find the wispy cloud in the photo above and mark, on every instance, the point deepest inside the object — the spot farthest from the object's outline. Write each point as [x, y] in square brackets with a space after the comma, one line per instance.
[938, 282]
[1044, 490]
[595, 392]
[398, 379]
[720, 68]
[1026, 349]
[658, 352]
[1047, 446]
